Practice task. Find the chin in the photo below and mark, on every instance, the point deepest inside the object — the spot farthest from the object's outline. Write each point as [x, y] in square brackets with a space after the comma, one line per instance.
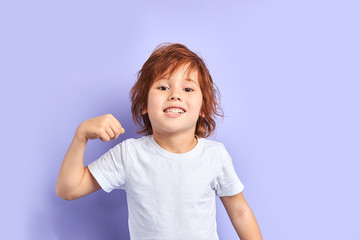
[173, 130]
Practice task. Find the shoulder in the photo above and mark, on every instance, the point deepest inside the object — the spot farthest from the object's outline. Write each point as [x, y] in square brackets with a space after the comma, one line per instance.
[136, 144]
[135, 141]
[213, 148]
[212, 144]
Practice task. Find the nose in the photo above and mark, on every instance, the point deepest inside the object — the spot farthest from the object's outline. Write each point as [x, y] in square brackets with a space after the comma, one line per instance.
[175, 96]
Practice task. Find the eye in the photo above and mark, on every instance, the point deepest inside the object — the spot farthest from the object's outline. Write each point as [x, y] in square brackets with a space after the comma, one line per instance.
[163, 88]
[188, 89]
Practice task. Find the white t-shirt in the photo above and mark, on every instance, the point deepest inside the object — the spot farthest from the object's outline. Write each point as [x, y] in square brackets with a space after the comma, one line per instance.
[170, 196]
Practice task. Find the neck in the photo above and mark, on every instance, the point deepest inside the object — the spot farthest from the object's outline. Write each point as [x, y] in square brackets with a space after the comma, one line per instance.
[176, 143]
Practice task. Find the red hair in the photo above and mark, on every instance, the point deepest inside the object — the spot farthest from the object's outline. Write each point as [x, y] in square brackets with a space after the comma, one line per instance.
[165, 60]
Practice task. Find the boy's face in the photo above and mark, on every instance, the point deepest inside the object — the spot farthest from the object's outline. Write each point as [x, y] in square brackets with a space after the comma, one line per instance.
[174, 103]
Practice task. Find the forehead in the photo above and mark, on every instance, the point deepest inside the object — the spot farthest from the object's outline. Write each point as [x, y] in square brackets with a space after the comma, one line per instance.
[185, 71]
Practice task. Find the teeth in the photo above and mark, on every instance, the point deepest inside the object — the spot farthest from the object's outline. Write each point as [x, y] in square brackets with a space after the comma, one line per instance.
[174, 110]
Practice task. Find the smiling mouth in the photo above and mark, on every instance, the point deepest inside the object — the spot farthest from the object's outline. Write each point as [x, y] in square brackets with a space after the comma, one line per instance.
[174, 110]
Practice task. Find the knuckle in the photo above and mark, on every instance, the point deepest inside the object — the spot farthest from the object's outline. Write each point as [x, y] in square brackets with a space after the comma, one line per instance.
[106, 119]
[104, 124]
[100, 132]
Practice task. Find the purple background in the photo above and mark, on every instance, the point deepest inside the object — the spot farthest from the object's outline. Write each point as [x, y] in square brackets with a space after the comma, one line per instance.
[289, 76]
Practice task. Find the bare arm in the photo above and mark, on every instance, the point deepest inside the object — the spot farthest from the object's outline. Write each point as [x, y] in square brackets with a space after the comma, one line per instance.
[242, 218]
[75, 180]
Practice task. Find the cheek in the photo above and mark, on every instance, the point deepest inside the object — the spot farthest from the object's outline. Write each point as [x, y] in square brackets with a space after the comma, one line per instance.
[154, 101]
[149, 104]
[198, 103]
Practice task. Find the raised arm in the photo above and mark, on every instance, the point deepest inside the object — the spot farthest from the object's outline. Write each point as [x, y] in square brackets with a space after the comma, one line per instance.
[75, 180]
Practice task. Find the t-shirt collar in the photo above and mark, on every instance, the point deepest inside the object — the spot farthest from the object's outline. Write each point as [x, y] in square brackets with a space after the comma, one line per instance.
[171, 155]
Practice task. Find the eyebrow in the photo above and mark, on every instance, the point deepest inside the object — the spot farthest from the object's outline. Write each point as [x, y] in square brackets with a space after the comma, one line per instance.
[187, 79]
[191, 80]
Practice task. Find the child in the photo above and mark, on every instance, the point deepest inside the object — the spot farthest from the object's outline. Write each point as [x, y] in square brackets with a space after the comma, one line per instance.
[172, 174]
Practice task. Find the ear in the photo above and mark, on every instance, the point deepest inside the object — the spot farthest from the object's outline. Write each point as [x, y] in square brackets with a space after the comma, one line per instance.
[143, 112]
[202, 114]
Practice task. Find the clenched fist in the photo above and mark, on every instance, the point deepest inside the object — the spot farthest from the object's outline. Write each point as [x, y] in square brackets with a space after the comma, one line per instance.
[105, 127]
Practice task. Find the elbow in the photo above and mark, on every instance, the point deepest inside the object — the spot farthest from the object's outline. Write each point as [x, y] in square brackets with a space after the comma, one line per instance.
[63, 195]
[67, 198]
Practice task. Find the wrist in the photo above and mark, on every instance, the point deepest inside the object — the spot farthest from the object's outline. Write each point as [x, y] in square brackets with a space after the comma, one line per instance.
[80, 135]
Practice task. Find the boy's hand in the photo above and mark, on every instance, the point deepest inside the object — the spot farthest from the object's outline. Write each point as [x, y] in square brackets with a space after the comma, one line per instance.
[105, 127]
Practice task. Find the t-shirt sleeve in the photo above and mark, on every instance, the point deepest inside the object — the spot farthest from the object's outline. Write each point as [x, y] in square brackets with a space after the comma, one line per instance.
[110, 170]
[227, 183]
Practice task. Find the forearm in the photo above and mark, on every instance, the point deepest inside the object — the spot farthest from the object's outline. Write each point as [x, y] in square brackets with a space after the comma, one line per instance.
[246, 226]
[72, 167]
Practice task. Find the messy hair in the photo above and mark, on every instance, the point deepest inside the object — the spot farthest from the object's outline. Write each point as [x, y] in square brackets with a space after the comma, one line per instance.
[165, 60]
